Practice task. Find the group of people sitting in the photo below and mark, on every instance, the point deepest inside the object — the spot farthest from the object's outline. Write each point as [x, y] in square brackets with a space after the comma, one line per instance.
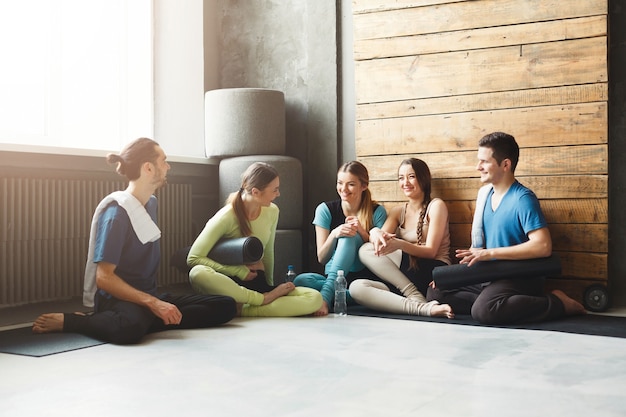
[388, 257]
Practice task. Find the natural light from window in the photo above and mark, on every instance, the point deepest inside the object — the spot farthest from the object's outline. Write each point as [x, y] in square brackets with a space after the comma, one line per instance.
[76, 73]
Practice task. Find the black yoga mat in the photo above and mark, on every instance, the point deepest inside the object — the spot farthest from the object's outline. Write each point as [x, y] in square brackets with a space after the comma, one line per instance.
[460, 275]
[234, 251]
[237, 251]
[588, 324]
[22, 341]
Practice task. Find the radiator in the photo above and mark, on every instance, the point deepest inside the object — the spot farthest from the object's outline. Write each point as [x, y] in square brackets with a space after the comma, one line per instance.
[44, 233]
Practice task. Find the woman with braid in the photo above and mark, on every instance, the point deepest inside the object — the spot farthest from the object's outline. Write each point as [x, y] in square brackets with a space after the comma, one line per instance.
[341, 227]
[249, 211]
[414, 240]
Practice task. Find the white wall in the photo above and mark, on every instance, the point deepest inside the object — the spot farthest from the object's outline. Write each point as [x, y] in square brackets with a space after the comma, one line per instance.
[179, 77]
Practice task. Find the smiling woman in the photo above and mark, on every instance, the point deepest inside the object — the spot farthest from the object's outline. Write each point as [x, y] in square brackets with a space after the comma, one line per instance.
[249, 211]
[341, 227]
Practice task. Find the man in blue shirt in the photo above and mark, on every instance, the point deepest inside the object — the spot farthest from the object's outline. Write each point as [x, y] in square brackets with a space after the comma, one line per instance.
[124, 255]
[514, 228]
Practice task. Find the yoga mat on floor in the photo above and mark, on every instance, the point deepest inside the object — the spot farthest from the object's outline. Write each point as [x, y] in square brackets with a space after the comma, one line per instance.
[22, 341]
[460, 275]
[589, 324]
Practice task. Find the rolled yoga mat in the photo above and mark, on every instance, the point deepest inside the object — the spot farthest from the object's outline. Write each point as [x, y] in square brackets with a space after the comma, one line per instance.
[459, 275]
[233, 251]
[237, 251]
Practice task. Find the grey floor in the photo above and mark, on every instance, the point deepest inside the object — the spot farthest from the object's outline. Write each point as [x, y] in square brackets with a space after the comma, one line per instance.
[349, 366]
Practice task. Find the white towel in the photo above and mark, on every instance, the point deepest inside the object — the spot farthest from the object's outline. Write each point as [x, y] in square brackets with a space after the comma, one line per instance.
[478, 234]
[143, 225]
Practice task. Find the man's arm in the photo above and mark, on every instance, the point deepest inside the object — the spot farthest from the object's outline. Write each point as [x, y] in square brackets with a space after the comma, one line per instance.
[539, 245]
[107, 280]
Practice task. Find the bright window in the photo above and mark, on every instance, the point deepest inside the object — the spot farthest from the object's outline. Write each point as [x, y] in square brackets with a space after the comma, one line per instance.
[76, 73]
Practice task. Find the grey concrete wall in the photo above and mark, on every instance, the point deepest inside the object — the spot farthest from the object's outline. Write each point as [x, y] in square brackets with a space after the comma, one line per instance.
[291, 46]
[347, 96]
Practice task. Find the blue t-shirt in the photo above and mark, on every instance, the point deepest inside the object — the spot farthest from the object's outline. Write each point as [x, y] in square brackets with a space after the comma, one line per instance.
[518, 214]
[117, 243]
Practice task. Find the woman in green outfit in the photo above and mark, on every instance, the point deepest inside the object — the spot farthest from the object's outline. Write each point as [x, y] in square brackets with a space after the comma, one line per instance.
[250, 211]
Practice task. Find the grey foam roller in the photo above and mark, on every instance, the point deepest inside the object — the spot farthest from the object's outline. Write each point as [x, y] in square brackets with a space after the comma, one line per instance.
[287, 251]
[244, 121]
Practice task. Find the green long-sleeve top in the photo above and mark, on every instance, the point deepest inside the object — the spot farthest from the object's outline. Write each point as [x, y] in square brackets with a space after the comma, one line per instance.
[224, 224]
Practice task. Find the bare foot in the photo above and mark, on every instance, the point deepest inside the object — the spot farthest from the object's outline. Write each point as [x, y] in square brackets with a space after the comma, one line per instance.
[49, 323]
[442, 310]
[323, 311]
[279, 291]
[572, 307]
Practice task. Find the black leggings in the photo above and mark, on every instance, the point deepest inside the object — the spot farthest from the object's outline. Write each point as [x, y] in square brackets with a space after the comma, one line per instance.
[505, 301]
[522, 300]
[123, 322]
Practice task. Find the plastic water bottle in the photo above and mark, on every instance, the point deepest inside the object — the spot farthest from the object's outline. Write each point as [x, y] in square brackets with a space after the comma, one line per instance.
[341, 307]
[291, 274]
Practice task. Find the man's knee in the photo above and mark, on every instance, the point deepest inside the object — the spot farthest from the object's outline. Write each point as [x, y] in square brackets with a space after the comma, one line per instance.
[122, 328]
[126, 337]
[124, 333]
[483, 314]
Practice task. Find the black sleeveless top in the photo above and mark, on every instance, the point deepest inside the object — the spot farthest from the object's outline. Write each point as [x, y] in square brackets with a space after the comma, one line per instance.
[336, 213]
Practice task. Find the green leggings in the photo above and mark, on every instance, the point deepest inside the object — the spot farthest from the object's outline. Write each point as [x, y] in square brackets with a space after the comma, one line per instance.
[299, 302]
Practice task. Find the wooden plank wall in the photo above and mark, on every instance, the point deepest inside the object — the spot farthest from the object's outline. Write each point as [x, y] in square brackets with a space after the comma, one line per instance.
[434, 76]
